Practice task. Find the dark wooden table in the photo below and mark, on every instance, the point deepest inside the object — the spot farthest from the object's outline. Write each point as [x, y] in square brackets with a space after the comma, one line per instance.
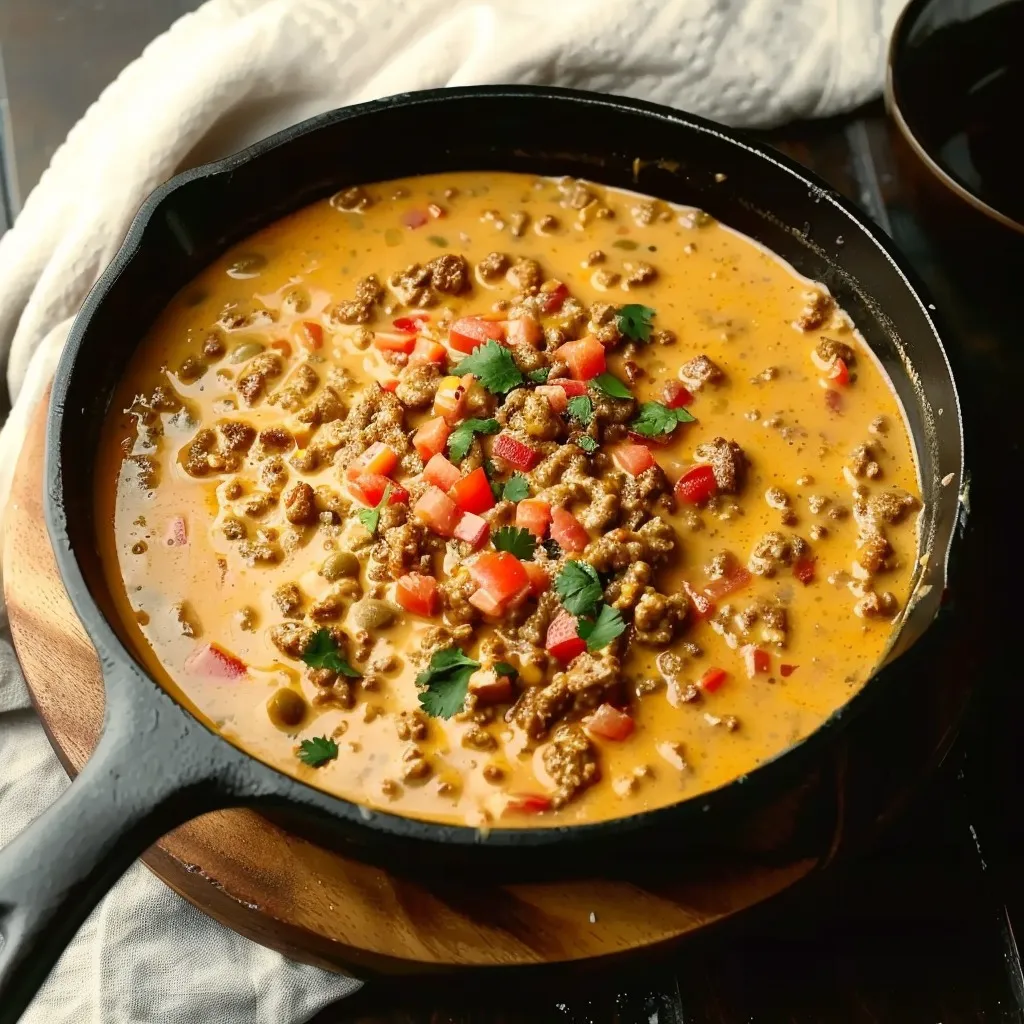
[920, 930]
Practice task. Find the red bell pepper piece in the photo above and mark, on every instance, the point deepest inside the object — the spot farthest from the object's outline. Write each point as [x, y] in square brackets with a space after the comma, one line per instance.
[404, 343]
[500, 575]
[585, 358]
[756, 661]
[469, 332]
[473, 530]
[431, 438]
[473, 493]
[675, 396]
[515, 452]
[696, 485]
[563, 641]
[534, 515]
[440, 472]
[712, 680]
[369, 488]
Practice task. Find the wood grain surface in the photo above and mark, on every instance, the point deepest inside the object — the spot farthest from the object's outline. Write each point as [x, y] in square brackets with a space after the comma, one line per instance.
[313, 904]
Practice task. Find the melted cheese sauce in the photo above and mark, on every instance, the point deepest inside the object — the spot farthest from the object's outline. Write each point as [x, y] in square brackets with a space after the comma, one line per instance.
[721, 294]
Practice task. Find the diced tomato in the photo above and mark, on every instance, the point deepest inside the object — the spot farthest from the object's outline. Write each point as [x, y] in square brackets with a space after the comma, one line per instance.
[833, 400]
[585, 358]
[309, 334]
[414, 218]
[500, 574]
[418, 594]
[389, 385]
[840, 372]
[553, 299]
[431, 438]
[557, 398]
[787, 670]
[410, 324]
[177, 532]
[675, 396]
[609, 723]
[473, 530]
[378, 458]
[487, 603]
[534, 515]
[394, 342]
[702, 606]
[369, 489]
[490, 688]
[211, 661]
[563, 641]
[473, 493]
[696, 485]
[438, 511]
[515, 452]
[450, 397]
[282, 346]
[469, 332]
[540, 580]
[756, 661]
[523, 331]
[633, 458]
[803, 570]
[426, 351]
[440, 472]
[735, 579]
[712, 680]
[572, 388]
[527, 803]
[568, 531]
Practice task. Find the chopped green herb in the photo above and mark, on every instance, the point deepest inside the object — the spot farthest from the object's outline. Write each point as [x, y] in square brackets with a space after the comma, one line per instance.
[516, 541]
[462, 436]
[624, 243]
[579, 587]
[370, 517]
[611, 385]
[322, 652]
[581, 409]
[317, 751]
[540, 376]
[492, 364]
[634, 321]
[503, 668]
[587, 443]
[517, 488]
[603, 630]
[553, 548]
[655, 419]
[445, 682]
[491, 472]
[439, 240]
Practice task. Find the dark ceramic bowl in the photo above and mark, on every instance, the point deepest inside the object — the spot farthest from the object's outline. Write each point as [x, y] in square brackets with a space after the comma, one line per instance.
[51, 876]
[954, 91]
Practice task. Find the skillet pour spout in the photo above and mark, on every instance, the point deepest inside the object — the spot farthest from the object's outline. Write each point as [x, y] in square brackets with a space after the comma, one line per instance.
[52, 875]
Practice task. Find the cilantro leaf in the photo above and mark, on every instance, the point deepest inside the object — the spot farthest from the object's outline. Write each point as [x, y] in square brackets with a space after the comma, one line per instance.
[581, 409]
[492, 364]
[603, 630]
[579, 587]
[586, 443]
[540, 376]
[611, 385]
[634, 321]
[322, 652]
[491, 472]
[516, 541]
[503, 668]
[517, 488]
[445, 682]
[655, 419]
[462, 436]
[370, 517]
[317, 751]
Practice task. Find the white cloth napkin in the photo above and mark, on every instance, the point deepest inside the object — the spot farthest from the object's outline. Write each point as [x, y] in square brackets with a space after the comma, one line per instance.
[219, 79]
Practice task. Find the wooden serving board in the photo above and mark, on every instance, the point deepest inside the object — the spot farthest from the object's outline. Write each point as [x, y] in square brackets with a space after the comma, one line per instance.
[313, 904]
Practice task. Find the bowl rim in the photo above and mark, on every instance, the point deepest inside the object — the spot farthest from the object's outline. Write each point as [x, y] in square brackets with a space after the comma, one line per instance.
[893, 76]
[258, 778]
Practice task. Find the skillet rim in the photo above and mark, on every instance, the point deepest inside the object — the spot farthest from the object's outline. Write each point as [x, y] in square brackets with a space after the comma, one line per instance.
[254, 780]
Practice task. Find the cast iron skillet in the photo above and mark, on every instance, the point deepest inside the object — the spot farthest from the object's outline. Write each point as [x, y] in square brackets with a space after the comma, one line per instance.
[53, 874]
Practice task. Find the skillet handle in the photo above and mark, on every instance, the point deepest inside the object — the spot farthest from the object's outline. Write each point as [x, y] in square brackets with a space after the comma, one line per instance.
[147, 775]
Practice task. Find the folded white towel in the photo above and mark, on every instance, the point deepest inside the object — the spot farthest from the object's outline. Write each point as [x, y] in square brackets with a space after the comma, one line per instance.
[219, 79]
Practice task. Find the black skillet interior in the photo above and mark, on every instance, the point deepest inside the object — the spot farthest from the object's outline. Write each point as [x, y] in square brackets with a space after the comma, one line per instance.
[193, 218]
